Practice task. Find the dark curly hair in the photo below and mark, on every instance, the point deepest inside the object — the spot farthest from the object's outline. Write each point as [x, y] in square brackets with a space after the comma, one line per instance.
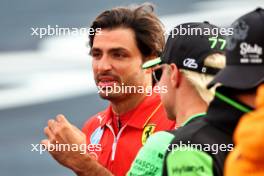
[149, 31]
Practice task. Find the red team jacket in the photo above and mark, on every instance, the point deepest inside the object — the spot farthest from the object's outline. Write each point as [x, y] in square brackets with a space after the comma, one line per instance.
[115, 144]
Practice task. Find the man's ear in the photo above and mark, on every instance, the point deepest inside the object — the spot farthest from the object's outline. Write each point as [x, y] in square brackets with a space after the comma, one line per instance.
[175, 76]
[148, 70]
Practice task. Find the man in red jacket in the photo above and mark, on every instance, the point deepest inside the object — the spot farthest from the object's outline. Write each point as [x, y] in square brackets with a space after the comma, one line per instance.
[127, 38]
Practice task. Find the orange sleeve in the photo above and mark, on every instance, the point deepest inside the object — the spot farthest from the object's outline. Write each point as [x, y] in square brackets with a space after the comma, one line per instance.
[248, 155]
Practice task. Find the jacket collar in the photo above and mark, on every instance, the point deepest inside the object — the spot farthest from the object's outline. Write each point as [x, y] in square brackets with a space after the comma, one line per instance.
[140, 115]
[223, 115]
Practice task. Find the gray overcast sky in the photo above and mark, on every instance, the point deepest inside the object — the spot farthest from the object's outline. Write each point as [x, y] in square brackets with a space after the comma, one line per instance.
[17, 17]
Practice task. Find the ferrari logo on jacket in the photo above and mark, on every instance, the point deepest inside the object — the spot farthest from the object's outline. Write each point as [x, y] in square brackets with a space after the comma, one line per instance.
[148, 130]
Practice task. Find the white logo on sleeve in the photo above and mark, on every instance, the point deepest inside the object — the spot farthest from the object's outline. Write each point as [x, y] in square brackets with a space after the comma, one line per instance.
[100, 118]
[190, 63]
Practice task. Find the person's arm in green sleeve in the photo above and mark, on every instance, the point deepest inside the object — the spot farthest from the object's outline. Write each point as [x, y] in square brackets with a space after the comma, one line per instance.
[149, 160]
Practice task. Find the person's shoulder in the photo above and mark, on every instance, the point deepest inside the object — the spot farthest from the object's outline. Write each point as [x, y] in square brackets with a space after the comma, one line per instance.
[160, 137]
[157, 143]
[202, 131]
[151, 154]
[189, 130]
[94, 121]
[247, 148]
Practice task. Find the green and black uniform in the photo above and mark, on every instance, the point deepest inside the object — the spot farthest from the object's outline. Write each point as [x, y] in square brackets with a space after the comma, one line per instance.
[199, 147]
[212, 133]
[149, 160]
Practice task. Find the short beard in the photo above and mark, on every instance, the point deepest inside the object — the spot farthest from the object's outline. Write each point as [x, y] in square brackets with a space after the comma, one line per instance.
[112, 96]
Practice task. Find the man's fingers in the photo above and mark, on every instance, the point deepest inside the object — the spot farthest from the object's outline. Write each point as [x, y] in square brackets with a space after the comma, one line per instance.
[55, 130]
[48, 133]
[52, 125]
[62, 118]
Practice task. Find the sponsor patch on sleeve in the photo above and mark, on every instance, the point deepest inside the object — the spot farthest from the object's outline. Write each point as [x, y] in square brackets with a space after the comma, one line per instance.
[96, 135]
[149, 160]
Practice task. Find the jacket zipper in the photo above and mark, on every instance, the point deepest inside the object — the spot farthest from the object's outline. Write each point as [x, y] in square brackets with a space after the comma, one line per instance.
[116, 138]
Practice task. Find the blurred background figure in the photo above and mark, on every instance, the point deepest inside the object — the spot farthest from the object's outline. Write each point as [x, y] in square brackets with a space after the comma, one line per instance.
[42, 76]
[248, 156]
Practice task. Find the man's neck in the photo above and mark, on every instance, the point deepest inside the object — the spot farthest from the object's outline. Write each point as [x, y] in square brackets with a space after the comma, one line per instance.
[188, 104]
[189, 111]
[127, 104]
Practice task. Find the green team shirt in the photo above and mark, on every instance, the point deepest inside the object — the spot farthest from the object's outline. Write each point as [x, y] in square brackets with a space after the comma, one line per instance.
[183, 161]
[187, 161]
[149, 160]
